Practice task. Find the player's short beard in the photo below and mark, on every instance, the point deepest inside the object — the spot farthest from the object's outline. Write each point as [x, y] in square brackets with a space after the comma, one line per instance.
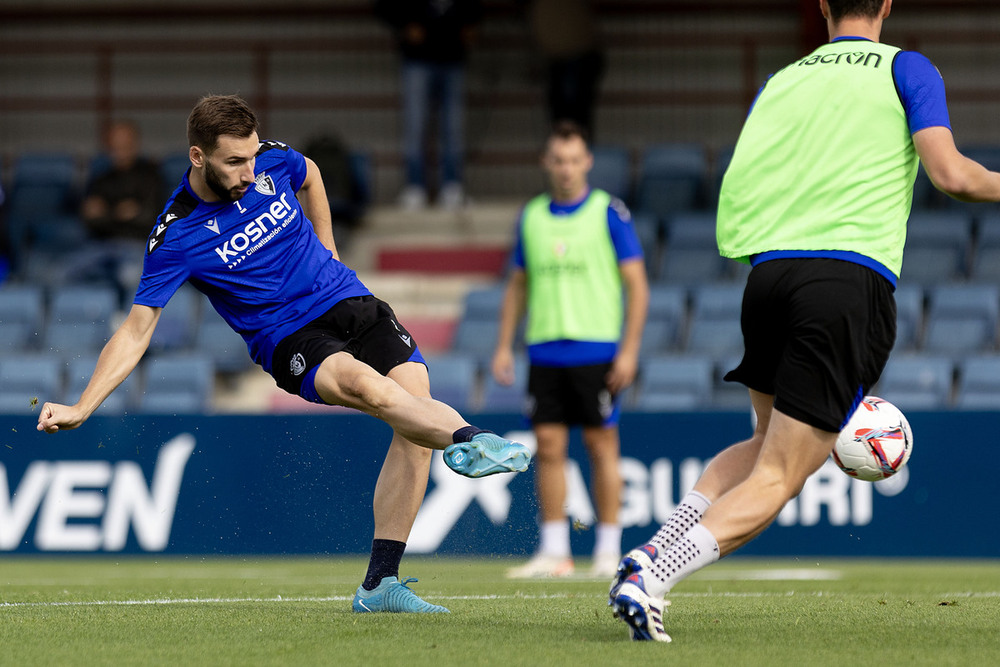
[214, 183]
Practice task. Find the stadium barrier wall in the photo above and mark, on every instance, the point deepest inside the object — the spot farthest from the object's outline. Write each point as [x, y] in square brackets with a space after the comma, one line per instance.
[303, 485]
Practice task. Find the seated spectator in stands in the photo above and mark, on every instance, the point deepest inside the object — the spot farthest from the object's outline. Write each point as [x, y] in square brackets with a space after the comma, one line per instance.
[119, 208]
[123, 201]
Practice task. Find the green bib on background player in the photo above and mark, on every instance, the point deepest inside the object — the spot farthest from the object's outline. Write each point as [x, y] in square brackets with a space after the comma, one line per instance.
[574, 286]
[839, 179]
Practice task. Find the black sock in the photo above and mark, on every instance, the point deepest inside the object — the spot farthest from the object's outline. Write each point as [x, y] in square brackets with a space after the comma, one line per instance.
[466, 433]
[384, 562]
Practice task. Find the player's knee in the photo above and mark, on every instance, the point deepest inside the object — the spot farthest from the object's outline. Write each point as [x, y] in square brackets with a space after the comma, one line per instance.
[376, 393]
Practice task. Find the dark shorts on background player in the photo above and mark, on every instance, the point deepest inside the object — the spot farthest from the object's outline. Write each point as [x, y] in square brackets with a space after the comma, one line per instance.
[363, 326]
[574, 395]
[817, 334]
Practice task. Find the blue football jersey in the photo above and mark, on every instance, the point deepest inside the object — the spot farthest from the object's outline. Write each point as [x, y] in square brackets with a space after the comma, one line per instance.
[257, 259]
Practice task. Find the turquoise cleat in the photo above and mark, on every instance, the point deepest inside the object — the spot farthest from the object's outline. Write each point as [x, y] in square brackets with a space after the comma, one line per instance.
[393, 595]
[487, 454]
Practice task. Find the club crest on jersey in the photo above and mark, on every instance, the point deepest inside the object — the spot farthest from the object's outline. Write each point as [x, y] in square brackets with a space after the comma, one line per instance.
[265, 185]
[298, 364]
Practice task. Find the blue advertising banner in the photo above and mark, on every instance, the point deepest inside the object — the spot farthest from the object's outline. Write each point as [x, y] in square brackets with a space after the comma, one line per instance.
[303, 484]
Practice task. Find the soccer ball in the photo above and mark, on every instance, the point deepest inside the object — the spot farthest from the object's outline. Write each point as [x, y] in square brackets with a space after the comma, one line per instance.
[876, 443]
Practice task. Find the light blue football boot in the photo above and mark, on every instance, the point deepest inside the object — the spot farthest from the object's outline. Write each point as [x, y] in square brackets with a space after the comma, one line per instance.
[393, 595]
[487, 454]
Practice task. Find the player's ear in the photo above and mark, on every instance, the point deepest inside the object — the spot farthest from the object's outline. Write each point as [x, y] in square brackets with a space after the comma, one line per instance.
[196, 156]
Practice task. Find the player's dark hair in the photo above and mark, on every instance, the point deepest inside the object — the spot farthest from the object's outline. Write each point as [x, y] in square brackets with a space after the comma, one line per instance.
[216, 115]
[868, 9]
[567, 129]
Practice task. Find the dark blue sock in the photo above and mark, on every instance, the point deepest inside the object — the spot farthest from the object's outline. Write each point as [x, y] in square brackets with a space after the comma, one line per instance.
[466, 433]
[384, 562]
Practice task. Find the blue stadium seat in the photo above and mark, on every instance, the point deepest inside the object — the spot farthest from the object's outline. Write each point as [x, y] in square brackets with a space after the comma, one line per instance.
[178, 324]
[454, 380]
[477, 338]
[672, 178]
[917, 382]
[962, 319]
[483, 303]
[986, 261]
[172, 169]
[648, 229]
[217, 340]
[719, 165]
[43, 188]
[22, 309]
[667, 310]
[937, 247]
[79, 318]
[715, 320]
[181, 384]
[670, 384]
[728, 395]
[909, 316]
[27, 381]
[658, 337]
[979, 383]
[498, 398]
[612, 171]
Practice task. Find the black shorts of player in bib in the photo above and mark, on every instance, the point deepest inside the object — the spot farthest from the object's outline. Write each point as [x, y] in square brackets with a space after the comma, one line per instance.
[363, 326]
[817, 333]
[572, 395]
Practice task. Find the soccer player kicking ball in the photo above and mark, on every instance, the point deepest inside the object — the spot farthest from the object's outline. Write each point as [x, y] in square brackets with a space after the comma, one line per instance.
[816, 199]
[249, 225]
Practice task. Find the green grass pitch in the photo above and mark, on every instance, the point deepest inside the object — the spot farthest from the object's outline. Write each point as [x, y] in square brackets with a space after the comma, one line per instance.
[296, 611]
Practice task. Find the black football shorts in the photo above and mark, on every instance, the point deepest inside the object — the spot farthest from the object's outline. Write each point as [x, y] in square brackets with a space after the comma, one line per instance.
[363, 326]
[572, 395]
[817, 333]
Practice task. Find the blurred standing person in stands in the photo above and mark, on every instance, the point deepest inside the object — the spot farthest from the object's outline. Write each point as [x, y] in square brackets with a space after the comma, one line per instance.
[433, 38]
[565, 31]
[579, 275]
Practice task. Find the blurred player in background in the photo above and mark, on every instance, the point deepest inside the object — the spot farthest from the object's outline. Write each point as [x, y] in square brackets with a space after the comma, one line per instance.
[575, 256]
[235, 228]
[816, 199]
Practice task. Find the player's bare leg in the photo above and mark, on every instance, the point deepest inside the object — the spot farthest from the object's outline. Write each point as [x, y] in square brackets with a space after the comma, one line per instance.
[553, 558]
[604, 451]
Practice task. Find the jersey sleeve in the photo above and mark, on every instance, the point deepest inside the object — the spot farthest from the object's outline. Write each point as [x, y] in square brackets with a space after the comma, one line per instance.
[296, 164]
[921, 90]
[163, 272]
[623, 234]
[517, 254]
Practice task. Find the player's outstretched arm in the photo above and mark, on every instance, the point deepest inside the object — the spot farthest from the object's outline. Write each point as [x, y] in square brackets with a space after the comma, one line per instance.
[950, 171]
[119, 357]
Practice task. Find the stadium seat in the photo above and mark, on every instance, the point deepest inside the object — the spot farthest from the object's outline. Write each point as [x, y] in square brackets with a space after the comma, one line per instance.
[671, 384]
[177, 327]
[79, 318]
[647, 228]
[719, 165]
[715, 320]
[612, 171]
[986, 259]
[498, 398]
[978, 383]
[728, 395]
[962, 319]
[671, 179]
[22, 309]
[454, 380]
[937, 247]
[42, 189]
[476, 338]
[691, 256]
[181, 384]
[217, 340]
[483, 303]
[917, 382]
[172, 168]
[27, 381]
[909, 316]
